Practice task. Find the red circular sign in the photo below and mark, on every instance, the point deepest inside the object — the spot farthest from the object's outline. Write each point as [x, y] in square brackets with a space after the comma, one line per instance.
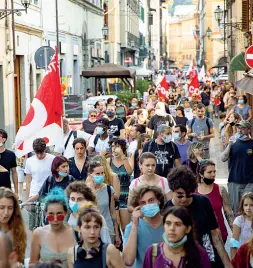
[249, 56]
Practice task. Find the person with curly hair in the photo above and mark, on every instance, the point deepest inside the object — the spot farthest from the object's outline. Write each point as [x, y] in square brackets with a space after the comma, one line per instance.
[11, 222]
[179, 247]
[120, 165]
[146, 227]
[183, 183]
[52, 241]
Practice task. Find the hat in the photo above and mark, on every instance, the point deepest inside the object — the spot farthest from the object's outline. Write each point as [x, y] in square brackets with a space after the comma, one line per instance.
[180, 108]
[243, 124]
[103, 121]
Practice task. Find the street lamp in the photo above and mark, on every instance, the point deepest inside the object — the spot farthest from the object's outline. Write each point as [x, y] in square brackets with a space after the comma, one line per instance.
[218, 14]
[105, 31]
[208, 32]
[6, 12]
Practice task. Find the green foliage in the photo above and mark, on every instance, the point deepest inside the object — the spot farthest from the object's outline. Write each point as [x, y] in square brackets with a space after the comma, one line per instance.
[142, 85]
[125, 96]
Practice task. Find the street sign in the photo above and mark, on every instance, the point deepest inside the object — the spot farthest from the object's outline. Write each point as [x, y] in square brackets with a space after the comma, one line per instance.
[249, 56]
[128, 60]
[43, 56]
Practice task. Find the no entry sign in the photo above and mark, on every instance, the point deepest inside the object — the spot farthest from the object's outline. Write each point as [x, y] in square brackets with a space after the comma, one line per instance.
[249, 56]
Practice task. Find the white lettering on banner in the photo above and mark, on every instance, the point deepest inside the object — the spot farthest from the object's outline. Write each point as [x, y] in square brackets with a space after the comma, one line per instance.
[192, 90]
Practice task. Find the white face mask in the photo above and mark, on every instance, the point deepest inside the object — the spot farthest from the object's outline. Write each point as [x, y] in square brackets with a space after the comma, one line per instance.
[1, 144]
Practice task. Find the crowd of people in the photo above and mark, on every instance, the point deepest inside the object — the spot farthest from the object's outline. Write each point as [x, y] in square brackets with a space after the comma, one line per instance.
[134, 185]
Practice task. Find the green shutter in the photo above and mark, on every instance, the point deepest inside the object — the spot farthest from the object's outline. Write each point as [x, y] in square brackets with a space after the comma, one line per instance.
[238, 63]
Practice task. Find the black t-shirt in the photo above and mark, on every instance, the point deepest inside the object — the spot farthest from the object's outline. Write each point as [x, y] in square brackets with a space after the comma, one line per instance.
[204, 220]
[115, 126]
[165, 156]
[156, 121]
[240, 162]
[7, 161]
[89, 127]
[51, 183]
[205, 98]
[181, 120]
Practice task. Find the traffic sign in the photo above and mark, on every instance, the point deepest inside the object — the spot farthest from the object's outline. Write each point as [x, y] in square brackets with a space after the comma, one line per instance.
[43, 56]
[128, 60]
[249, 56]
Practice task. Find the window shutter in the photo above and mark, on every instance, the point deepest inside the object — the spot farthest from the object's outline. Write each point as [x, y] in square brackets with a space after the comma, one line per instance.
[245, 15]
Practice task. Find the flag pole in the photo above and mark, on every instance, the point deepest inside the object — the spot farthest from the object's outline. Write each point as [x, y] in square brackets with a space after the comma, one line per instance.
[57, 31]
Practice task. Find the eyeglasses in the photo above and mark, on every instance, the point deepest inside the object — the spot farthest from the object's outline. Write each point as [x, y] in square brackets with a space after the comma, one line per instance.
[59, 217]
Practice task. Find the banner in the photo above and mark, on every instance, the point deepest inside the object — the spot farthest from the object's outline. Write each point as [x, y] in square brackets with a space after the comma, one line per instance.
[44, 118]
[163, 88]
[193, 86]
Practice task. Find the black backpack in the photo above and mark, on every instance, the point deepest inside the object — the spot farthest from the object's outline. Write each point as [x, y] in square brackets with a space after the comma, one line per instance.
[193, 121]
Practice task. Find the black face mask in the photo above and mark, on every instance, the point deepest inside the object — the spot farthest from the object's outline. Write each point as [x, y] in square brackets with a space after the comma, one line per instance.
[232, 124]
[208, 181]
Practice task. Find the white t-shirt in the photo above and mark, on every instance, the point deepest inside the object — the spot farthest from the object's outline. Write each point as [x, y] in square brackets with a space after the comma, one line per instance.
[163, 183]
[101, 146]
[132, 147]
[246, 228]
[39, 170]
[69, 151]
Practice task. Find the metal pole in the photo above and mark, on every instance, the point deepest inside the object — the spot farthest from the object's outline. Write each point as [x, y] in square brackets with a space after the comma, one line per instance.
[57, 24]
[13, 36]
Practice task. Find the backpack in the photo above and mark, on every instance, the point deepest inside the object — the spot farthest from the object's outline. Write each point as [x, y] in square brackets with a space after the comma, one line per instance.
[104, 249]
[98, 136]
[74, 132]
[192, 123]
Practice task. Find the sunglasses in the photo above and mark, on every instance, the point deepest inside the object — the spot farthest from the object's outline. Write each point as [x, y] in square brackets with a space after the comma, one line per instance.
[93, 116]
[59, 217]
[181, 196]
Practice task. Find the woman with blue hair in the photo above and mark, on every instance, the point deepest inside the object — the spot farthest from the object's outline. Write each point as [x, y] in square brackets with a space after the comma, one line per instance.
[51, 242]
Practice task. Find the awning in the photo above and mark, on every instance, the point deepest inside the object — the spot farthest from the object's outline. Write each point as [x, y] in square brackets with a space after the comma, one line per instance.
[238, 63]
[246, 83]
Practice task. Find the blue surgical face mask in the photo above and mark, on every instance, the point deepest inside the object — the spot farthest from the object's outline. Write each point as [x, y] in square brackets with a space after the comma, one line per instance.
[176, 136]
[154, 102]
[98, 179]
[73, 206]
[174, 244]
[240, 102]
[62, 174]
[134, 104]
[1, 144]
[242, 137]
[100, 130]
[150, 210]
[166, 138]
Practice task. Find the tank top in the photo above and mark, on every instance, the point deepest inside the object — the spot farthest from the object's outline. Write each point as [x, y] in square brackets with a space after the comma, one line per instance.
[216, 201]
[96, 261]
[47, 254]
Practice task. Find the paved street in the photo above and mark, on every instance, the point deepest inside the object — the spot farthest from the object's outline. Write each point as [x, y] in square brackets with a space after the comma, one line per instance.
[221, 177]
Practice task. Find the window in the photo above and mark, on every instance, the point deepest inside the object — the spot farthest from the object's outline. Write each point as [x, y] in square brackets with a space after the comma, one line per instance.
[36, 2]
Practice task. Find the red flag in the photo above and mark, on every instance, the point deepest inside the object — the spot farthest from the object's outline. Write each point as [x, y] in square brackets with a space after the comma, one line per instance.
[193, 86]
[44, 118]
[163, 89]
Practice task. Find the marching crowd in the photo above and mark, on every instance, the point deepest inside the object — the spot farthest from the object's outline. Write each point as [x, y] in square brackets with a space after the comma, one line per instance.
[135, 186]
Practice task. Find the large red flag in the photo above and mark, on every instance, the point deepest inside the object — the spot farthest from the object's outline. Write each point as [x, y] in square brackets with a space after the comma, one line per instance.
[163, 88]
[44, 118]
[193, 86]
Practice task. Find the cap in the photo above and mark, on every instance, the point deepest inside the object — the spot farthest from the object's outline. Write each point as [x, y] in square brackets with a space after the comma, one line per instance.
[180, 108]
[103, 121]
[243, 124]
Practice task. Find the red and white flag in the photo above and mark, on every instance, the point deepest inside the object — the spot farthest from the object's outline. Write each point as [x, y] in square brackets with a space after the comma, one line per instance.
[162, 88]
[44, 118]
[193, 86]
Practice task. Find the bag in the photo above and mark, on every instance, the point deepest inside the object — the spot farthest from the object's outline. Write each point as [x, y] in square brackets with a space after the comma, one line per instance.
[210, 108]
[154, 253]
[74, 132]
[192, 123]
